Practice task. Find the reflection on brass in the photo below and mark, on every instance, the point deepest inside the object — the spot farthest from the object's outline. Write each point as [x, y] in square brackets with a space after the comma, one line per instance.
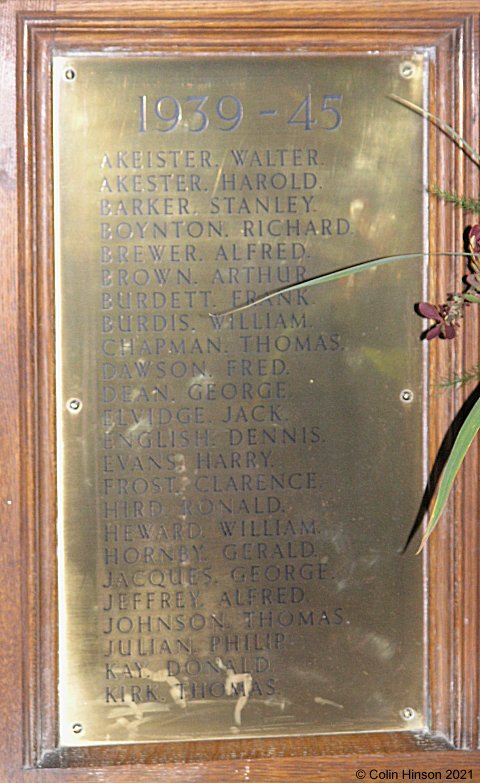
[235, 493]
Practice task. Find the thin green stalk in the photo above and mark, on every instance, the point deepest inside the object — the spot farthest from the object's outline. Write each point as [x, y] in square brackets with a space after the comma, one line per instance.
[443, 125]
[331, 276]
[472, 423]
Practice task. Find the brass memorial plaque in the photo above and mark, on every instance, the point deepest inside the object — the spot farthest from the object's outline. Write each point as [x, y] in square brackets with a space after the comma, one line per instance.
[236, 492]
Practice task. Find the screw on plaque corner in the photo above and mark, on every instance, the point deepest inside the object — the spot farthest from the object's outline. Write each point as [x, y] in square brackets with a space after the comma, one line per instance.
[407, 69]
[74, 405]
[406, 395]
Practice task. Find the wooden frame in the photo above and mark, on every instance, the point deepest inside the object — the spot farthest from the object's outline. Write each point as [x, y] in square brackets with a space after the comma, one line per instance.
[32, 31]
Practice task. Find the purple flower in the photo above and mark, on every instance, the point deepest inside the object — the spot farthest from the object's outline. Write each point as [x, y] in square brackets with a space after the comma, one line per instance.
[443, 327]
[474, 240]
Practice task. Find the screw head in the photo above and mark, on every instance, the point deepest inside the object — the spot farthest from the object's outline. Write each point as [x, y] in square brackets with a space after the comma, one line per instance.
[74, 405]
[70, 74]
[407, 70]
[408, 713]
[77, 728]
[406, 395]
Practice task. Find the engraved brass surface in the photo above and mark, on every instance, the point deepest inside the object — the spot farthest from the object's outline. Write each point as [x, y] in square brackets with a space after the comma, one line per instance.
[235, 492]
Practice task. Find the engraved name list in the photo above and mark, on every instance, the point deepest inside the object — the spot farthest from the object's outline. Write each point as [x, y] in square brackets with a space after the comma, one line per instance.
[215, 494]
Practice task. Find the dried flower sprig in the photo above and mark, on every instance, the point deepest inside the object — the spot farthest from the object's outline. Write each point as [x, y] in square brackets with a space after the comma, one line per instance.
[447, 316]
[464, 202]
[458, 379]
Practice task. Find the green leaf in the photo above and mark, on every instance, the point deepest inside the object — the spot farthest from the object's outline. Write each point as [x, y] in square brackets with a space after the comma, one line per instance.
[462, 443]
[329, 277]
[471, 298]
[472, 423]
